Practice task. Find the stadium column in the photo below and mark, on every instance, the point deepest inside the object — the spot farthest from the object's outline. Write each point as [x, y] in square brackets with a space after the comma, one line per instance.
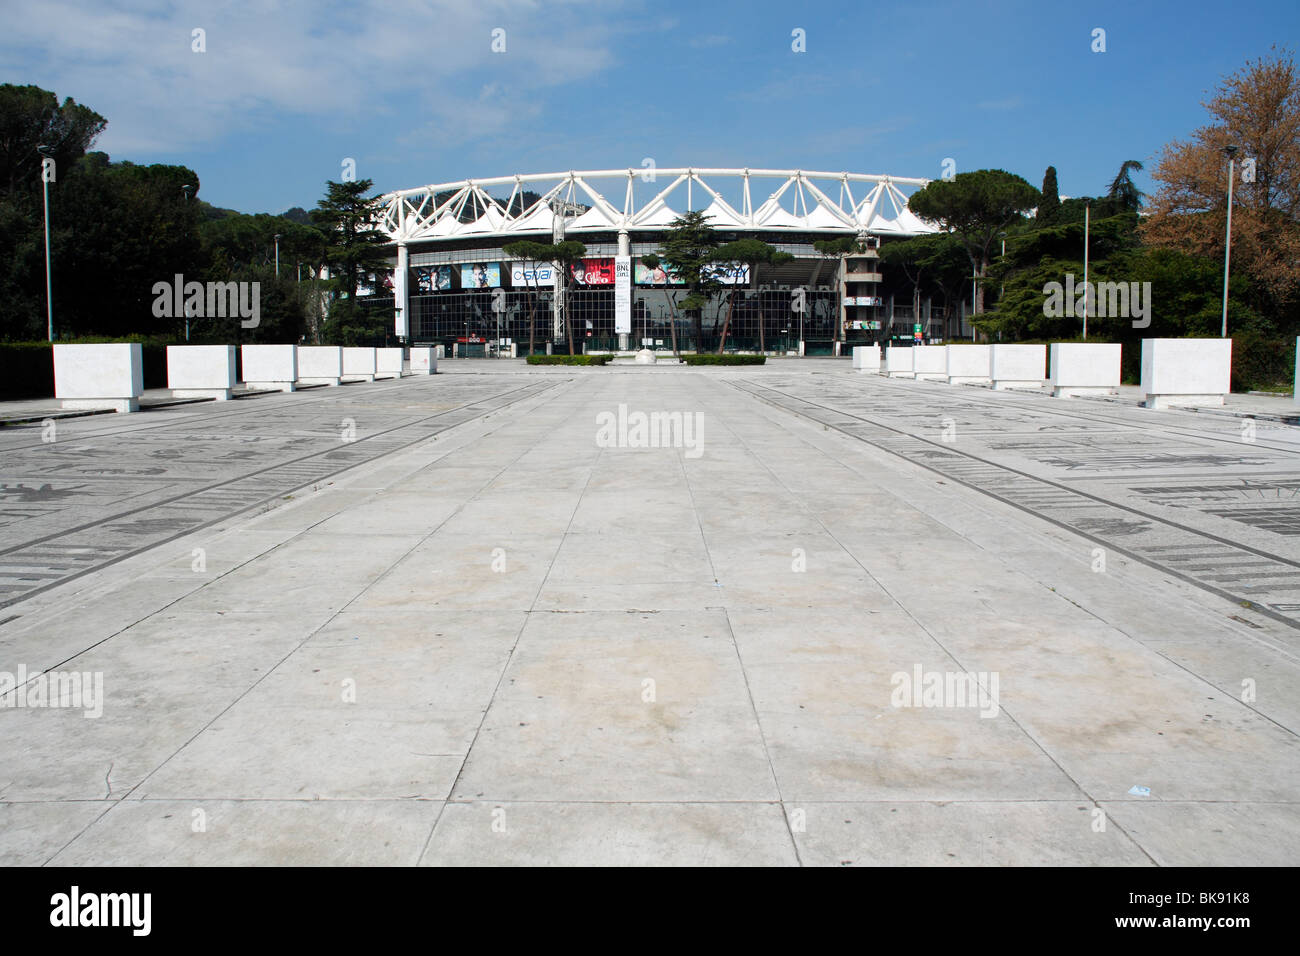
[401, 301]
[624, 249]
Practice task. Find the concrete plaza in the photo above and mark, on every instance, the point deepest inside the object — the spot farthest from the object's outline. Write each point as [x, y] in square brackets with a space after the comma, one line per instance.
[437, 621]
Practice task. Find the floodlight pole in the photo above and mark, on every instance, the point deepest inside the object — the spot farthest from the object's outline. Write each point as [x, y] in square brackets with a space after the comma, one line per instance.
[1087, 223]
[1227, 241]
[46, 152]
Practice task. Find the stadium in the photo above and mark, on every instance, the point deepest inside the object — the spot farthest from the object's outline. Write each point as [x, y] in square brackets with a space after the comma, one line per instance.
[454, 285]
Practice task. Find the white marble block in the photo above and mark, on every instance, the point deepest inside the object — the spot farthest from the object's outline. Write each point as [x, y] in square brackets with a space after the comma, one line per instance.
[898, 362]
[424, 360]
[1018, 366]
[866, 358]
[320, 364]
[99, 376]
[930, 362]
[201, 371]
[1084, 368]
[388, 363]
[645, 357]
[967, 364]
[359, 362]
[1185, 371]
[270, 366]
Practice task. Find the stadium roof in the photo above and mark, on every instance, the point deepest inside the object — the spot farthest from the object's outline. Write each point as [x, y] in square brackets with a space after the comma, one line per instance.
[798, 201]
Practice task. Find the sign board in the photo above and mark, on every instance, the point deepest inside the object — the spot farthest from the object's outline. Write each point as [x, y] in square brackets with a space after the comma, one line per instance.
[532, 274]
[622, 294]
[401, 322]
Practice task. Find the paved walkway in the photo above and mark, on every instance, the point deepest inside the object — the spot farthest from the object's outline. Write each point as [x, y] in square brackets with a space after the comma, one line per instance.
[477, 631]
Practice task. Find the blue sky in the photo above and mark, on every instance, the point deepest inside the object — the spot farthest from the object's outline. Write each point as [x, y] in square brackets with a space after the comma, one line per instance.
[415, 94]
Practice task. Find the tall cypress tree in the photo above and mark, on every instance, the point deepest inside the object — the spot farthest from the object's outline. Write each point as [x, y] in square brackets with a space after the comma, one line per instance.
[1049, 209]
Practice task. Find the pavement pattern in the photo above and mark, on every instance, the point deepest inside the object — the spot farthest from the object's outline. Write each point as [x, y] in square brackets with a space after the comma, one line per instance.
[449, 621]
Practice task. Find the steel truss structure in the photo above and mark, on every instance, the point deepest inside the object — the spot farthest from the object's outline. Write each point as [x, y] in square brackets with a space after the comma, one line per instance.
[865, 205]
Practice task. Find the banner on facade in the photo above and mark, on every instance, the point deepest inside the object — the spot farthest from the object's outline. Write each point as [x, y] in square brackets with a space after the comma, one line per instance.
[480, 275]
[622, 294]
[728, 273]
[525, 275]
[660, 275]
[594, 272]
[433, 279]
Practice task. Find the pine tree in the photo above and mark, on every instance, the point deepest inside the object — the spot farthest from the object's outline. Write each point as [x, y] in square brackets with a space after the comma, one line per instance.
[1049, 209]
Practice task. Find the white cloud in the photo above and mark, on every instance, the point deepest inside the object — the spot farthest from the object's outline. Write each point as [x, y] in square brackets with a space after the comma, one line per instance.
[269, 60]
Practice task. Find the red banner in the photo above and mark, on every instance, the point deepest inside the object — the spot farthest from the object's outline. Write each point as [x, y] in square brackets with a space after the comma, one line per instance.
[595, 272]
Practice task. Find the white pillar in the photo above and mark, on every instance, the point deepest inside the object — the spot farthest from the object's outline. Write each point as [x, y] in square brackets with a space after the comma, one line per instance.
[401, 299]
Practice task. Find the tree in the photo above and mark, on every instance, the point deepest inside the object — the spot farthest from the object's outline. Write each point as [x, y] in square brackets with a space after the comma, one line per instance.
[651, 262]
[688, 249]
[1123, 195]
[1258, 110]
[937, 257]
[1049, 206]
[567, 256]
[31, 117]
[752, 253]
[533, 252]
[353, 245]
[116, 230]
[976, 206]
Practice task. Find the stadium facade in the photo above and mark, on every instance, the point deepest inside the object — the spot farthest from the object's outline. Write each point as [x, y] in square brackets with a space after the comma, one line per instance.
[454, 285]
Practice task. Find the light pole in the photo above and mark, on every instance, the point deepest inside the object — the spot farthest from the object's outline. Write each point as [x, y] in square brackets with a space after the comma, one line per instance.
[47, 152]
[277, 255]
[1087, 299]
[1230, 152]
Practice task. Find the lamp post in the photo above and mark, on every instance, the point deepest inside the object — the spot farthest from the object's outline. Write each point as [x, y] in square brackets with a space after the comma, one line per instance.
[1230, 152]
[47, 152]
[1087, 299]
[277, 255]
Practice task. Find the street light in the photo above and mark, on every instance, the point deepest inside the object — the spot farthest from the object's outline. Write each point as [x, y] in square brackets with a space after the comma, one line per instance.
[1087, 299]
[1230, 152]
[277, 255]
[48, 153]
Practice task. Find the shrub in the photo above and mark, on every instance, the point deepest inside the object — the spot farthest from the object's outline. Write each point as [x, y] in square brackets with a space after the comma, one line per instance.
[724, 359]
[1262, 363]
[568, 359]
[27, 368]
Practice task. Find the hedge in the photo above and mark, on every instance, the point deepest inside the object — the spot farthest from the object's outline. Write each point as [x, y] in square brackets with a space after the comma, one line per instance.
[27, 368]
[724, 359]
[568, 359]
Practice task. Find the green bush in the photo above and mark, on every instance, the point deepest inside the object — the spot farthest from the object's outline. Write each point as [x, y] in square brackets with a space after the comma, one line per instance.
[568, 359]
[1262, 363]
[27, 368]
[725, 359]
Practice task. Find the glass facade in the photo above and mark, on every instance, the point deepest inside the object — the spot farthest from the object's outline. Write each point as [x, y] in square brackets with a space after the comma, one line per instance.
[761, 319]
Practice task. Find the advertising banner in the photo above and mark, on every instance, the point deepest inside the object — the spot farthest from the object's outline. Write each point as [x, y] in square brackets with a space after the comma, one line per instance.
[595, 272]
[532, 275]
[480, 275]
[728, 273]
[432, 279]
[622, 294]
[659, 276]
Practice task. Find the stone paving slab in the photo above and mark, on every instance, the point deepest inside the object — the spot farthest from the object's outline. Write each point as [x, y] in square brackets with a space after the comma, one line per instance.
[506, 642]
